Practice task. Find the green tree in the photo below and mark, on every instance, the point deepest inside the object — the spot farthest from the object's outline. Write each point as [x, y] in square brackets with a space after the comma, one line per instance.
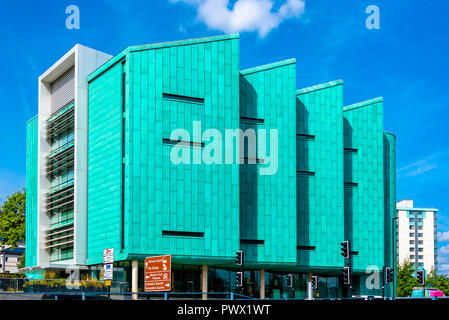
[438, 281]
[406, 280]
[21, 263]
[12, 220]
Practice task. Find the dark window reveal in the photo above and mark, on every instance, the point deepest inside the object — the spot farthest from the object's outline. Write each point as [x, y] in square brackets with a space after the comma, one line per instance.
[182, 98]
[183, 234]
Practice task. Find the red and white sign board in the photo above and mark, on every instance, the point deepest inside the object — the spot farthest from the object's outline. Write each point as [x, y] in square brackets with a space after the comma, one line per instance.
[108, 256]
[158, 273]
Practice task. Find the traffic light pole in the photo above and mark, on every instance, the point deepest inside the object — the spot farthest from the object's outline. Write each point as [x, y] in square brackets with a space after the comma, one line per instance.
[243, 273]
[350, 268]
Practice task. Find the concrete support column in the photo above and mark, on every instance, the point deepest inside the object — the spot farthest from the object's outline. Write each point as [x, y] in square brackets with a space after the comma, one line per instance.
[204, 280]
[262, 284]
[134, 277]
[309, 288]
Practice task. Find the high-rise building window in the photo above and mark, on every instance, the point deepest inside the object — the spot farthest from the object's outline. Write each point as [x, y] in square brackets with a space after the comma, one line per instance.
[412, 257]
[412, 249]
[419, 234]
[412, 227]
[412, 241]
[412, 234]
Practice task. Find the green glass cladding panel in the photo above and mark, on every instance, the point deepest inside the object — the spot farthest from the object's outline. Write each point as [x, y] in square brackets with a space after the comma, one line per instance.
[31, 192]
[186, 197]
[364, 202]
[268, 202]
[104, 164]
[390, 206]
[320, 198]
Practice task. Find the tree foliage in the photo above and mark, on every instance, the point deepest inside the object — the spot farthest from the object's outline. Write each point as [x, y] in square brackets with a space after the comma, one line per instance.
[406, 280]
[21, 263]
[438, 281]
[12, 220]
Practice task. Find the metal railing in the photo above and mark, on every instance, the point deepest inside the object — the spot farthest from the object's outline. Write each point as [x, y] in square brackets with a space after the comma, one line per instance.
[111, 295]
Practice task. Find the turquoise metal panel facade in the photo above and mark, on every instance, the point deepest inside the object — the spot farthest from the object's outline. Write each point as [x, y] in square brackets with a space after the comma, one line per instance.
[159, 196]
[31, 192]
[268, 202]
[166, 197]
[390, 206]
[104, 165]
[320, 194]
[364, 182]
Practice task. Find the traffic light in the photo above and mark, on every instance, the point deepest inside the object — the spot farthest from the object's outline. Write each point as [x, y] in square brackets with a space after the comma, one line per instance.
[345, 249]
[239, 258]
[239, 279]
[289, 280]
[346, 275]
[421, 274]
[389, 275]
[314, 282]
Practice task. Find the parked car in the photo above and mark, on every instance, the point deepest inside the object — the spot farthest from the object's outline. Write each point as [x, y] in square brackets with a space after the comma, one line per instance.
[420, 292]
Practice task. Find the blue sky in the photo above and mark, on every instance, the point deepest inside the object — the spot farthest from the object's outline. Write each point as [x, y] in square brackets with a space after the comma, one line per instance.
[405, 62]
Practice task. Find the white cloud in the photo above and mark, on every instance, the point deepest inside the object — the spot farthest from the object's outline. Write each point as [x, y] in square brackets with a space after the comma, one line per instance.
[443, 260]
[245, 15]
[443, 236]
[442, 251]
[419, 167]
[443, 268]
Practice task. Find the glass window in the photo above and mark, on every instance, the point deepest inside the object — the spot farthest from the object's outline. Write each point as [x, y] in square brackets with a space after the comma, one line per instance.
[412, 227]
[419, 241]
[412, 234]
[420, 264]
[419, 227]
[412, 241]
[412, 257]
[420, 249]
[419, 234]
[187, 278]
[274, 288]
[420, 257]
[412, 249]
[219, 280]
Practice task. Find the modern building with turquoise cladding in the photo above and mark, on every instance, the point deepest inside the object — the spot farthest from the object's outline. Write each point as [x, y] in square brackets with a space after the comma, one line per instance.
[170, 148]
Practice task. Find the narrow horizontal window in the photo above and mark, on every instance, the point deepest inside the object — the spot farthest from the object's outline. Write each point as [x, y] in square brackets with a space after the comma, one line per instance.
[305, 173]
[251, 241]
[182, 98]
[305, 136]
[251, 120]
[247, 160]
[350, 150]
[183, 143]
[183, 234]
[309, 248]
[351, 184]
